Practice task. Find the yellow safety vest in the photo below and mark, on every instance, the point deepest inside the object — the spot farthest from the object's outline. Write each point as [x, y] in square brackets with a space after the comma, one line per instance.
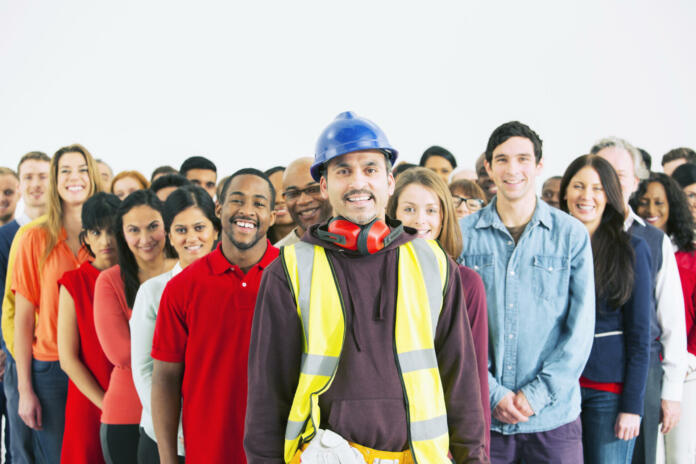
[423, 273]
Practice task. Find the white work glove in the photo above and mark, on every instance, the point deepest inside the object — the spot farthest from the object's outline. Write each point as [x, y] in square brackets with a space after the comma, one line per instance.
[328, 447]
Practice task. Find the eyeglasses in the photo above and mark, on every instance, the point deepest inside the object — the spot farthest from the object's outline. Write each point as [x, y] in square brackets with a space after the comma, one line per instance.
[474, 204]
[294, 194]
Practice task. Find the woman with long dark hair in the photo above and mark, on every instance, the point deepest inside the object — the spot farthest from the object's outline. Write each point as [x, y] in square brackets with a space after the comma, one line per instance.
[44, 253]
[614, 379]
[422, 201]
[141, 241]
[661, 201]
[81, 355]
[192, 227]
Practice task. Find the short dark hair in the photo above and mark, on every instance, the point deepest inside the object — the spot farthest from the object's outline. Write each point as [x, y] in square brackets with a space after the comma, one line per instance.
[436, 150]
[552, 178]
[169, 180]
[401, 167]
[685, 175]
[185, 197]
[678, 153]
[273, 170]
[162, 170]
[513, 129]
[197, 162]
[251, 172]
[98, 213]
[647, 159]
[33, 155]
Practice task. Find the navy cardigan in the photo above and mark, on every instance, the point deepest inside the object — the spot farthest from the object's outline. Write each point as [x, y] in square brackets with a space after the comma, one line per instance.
[621, 347]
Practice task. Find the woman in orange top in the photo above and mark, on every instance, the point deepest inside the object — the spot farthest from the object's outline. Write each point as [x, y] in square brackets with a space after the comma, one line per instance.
[45, 253]
[141, 242]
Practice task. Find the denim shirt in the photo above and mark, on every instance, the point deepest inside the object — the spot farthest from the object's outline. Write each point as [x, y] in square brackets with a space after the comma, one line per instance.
[541, 310]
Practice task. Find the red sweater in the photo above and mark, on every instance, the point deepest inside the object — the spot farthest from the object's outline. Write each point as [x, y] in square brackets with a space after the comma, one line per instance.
[686, 261]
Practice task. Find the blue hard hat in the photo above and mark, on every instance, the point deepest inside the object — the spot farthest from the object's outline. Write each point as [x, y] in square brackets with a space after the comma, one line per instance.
[348, 133]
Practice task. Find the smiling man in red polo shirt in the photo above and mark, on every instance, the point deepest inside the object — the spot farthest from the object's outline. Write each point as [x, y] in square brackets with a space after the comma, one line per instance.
[201, 339]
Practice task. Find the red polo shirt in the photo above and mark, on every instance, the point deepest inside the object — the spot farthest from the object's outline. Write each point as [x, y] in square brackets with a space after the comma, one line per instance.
[204, 320]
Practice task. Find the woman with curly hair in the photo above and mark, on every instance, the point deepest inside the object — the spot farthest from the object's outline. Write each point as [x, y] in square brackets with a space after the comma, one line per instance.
[662, 203]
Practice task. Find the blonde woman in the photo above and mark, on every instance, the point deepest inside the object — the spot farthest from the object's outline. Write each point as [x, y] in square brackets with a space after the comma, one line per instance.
[45, 252]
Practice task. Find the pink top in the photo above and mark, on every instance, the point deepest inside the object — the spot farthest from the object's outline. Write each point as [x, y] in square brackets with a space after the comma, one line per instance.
[111, 316]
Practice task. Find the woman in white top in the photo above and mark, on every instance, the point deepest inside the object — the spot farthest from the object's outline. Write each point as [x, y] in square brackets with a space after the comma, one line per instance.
[192, 228]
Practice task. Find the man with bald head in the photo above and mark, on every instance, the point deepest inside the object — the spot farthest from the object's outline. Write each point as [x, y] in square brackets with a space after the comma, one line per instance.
[303, 200]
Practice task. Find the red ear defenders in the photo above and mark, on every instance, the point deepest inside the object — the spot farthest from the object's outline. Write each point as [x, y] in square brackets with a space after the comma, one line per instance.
[366, 239]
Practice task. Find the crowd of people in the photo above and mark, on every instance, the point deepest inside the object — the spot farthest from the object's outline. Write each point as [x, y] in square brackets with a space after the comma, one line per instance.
[351, 308]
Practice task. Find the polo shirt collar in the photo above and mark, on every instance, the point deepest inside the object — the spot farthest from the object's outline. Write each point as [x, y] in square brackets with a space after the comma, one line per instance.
[489, 216]
[219, 264]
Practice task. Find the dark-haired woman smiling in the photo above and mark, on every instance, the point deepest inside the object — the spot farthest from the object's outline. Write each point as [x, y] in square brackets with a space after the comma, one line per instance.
[141, 240]
[614, 379]
[661, 202]
[192, 227]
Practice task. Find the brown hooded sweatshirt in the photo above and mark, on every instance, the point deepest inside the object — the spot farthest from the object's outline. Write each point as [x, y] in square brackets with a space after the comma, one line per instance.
[365, 403]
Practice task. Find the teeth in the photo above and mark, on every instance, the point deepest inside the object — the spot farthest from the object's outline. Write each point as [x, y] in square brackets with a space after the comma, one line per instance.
[194, 248]
[309, 212]
[585, 207]
[75, 188]
[362, 198]
[247, 225]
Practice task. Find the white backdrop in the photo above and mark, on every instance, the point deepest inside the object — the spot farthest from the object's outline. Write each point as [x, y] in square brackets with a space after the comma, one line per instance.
[144, 83]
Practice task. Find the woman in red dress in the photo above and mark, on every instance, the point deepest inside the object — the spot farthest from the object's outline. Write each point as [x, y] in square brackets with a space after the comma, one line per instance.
[81, 355]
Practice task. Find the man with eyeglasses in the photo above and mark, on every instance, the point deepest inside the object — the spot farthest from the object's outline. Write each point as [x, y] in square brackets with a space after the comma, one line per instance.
[303, 200]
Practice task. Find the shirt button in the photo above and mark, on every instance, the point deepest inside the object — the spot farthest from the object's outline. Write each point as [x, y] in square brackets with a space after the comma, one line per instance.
[550, 269]
[510, 305]
[243, 284]
[475, 267]
[511, 336]
[509, 242]
[512, 272]
[509, 368]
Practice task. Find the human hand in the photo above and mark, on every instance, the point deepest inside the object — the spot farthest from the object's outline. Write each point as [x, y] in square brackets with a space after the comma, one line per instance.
[669, 415]
[506, 411]
[627, 426]
[30, 410]
[522, 404]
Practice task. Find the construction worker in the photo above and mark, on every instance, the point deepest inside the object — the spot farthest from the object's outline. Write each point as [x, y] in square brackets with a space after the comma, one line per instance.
[361, 349]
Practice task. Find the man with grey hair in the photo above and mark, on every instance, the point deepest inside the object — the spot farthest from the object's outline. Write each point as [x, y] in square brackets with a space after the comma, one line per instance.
[667, 325]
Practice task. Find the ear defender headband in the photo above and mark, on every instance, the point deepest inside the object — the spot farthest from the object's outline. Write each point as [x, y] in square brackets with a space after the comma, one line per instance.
[366, 239]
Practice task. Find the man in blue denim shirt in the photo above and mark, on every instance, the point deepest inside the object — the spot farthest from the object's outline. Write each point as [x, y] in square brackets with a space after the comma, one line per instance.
[536, 264]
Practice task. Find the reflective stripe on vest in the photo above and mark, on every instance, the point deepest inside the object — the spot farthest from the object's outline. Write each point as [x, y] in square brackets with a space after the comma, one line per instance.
[423, 273]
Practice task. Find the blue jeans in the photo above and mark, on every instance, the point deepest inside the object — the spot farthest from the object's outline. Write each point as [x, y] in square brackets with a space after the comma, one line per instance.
[51, 387]
[21, 441]
[599, 411]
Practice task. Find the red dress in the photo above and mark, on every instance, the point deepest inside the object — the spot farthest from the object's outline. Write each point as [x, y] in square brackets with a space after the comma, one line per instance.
[81, 443]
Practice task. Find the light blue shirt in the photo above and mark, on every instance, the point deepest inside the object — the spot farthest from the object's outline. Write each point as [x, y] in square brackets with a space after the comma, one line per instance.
[541, 310]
